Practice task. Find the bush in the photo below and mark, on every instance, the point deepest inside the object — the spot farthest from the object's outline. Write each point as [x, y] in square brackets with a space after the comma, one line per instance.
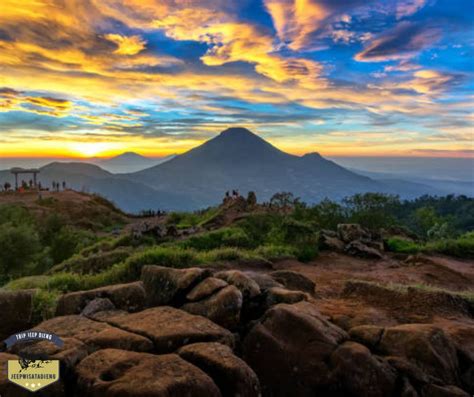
[226, 237]
[44, 305]
[18, 247]
[462, 247]
[403, 246]
[275, 252]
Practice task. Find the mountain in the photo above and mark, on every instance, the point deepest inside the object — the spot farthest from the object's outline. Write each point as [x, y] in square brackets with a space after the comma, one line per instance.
[129, 195]
[235, 159]
[239, 159]
[129, 162]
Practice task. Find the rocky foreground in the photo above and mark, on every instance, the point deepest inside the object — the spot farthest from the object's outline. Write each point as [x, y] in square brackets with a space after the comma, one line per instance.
[204, 332]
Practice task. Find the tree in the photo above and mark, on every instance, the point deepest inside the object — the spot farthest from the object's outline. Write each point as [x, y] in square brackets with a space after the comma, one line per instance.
[251, 199]
[284, 201]
[18, 247]
[372, 210]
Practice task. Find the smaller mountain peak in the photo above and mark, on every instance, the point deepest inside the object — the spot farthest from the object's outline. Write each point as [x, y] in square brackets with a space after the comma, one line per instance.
[311, 155]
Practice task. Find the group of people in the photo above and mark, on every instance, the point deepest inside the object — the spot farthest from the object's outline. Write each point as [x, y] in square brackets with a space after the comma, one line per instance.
[25, 186]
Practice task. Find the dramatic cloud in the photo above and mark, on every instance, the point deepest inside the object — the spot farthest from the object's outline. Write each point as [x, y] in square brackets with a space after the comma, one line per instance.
[165, 71]
[402, 42]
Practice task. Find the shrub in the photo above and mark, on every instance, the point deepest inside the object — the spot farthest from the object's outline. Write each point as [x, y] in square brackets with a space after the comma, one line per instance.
[226, 237]
[18, 247]
[275, 252]
[462, 247]
[44, 305]
[403, 246]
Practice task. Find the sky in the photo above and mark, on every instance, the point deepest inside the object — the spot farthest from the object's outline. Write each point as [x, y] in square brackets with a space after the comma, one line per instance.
[95, 78]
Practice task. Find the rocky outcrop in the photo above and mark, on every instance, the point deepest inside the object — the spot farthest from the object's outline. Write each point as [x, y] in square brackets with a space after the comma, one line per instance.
[244, 283]
[356, 372]
[164, 285]
[97, 305]
[277, 295]
[6, 387]
[294, 281]
[231, 374]
[112, 372]
[223, 308]
[358, 248]
[171, 328]
[206, 288]
[16, 308]
[424, 345]
[95, 335]
[349, 232]
[129, 297]
[297, 342]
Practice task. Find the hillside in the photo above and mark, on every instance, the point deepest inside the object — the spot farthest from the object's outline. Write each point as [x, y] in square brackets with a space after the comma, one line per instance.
[231, 300]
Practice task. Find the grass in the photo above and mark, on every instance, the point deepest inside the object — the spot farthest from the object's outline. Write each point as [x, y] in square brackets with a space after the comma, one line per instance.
[403, 246]
[461, 247]
[403, 288]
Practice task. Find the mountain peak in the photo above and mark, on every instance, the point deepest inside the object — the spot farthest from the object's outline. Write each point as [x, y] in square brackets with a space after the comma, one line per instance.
[237, 131]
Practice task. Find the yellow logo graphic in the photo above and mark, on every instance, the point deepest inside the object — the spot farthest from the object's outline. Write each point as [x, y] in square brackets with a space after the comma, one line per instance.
[33, 375]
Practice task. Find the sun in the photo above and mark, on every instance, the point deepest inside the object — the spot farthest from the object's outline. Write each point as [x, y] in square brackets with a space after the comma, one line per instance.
[90, 149]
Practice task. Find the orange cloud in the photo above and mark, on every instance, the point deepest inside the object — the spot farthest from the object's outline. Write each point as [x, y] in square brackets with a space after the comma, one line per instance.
[127, 45]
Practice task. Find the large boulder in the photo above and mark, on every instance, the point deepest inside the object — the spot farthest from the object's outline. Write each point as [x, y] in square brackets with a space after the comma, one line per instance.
[329, 240]
[277, 295]
[363, 250]
[96, 306]
[368, 335]
[264, 281]
[206, 288]
[349, 232]
[294, 281]
[96, 335]
[16, 308]
[171, 328]
[358, 373]
[120, 373]
[244, 283]
[164, 285]
[223, 308]
[426, 346]
[129, 297]
[233, 376]
[289, 349]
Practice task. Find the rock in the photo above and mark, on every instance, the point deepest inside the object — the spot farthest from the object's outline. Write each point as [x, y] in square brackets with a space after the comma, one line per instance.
[115, 373]
[231, 374]
[349, 232]
[97, 305]
[263, 280]
[223, 308]
[245, 284]
[289, 349]
[94, 334]
[410, 370]
[358, 248]
[164, 285]
[424, 345]
[407, 389]
[277, 295]
[16, 308]
[360, 374]
[171, 328]
[368, 335]
[443, 391]
[129, 297]
[294, 281]
[330, 241]
[206, 288]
